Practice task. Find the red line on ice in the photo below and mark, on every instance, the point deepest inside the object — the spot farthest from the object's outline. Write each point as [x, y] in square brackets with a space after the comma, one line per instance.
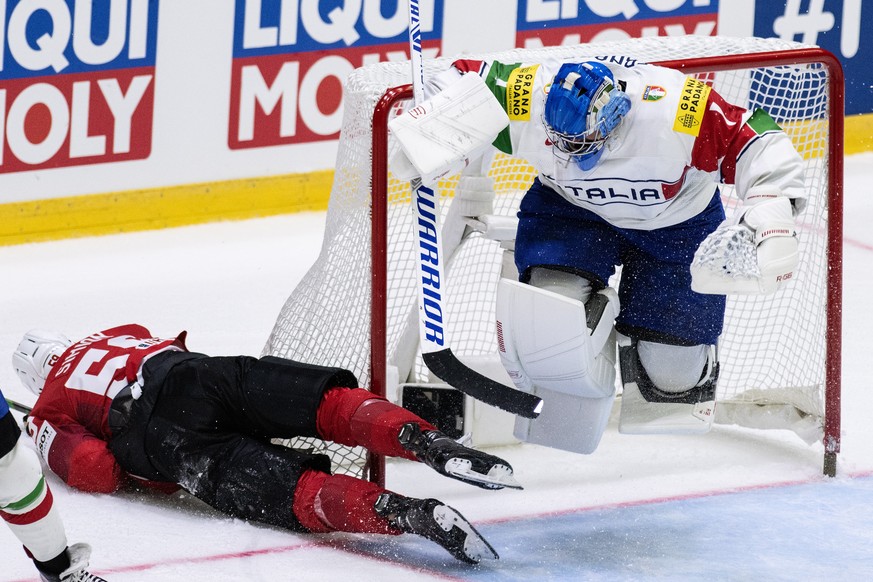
[858, 244]
[263, 552]
[683, 497]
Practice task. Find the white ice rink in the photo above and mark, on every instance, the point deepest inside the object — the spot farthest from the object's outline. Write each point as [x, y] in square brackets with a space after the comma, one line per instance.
[731, 505]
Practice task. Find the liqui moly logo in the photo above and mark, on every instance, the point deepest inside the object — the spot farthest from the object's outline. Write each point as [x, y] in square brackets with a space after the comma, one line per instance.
[76, 81]
[565, 22]
[291, 59]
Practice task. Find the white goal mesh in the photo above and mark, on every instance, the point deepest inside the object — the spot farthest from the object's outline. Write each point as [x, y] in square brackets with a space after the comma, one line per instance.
[774, 349]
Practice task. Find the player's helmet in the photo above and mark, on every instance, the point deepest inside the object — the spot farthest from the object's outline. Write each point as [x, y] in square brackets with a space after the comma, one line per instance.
[583, 108]
[34, 357]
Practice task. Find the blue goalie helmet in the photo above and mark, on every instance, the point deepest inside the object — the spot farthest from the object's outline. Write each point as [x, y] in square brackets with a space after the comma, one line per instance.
[583, 108]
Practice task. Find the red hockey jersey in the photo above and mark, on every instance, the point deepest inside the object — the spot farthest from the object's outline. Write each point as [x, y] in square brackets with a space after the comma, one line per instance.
[69, 422]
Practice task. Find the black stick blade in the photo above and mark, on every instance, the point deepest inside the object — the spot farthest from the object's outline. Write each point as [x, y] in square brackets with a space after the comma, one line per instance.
[452, 371]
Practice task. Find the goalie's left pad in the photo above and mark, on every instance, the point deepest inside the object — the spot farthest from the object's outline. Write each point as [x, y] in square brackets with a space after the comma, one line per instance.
[645, 409]
[754, 253]
[563, 351]
[438, 136]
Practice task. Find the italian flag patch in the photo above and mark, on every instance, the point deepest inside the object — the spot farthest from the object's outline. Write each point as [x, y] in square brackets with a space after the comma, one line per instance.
[761, 122]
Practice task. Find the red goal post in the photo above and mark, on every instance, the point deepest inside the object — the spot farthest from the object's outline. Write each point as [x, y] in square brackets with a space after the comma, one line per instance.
[780, 355]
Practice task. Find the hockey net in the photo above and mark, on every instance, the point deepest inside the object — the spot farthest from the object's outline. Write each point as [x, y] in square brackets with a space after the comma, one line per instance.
[357, 306]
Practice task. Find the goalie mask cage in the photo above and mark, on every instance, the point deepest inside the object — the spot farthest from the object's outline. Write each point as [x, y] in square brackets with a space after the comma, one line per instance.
[357, 305]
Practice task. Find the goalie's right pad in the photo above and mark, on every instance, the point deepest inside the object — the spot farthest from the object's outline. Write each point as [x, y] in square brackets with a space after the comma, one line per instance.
[564, 352]
[567, 422]
[549, 340]
[646, 409]
[438, 136]
[752, 254]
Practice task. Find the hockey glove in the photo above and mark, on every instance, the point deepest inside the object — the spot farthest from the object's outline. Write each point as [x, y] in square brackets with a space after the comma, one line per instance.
[752, 254]
[439, 137]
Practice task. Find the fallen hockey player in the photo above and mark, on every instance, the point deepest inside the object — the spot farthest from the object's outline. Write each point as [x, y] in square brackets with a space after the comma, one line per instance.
[121, 405]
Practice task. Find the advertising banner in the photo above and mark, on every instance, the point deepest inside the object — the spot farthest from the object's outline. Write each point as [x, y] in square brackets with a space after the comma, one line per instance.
[291, 57]
[564, 22]
[835, 25]
[76, 82]
[103, 97]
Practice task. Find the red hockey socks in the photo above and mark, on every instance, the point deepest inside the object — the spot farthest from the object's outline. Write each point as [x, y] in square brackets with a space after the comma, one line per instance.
[325, 503]
[355, 417]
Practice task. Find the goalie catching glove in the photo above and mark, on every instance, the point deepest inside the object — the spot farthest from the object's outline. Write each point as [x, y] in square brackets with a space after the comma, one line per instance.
[438, 136]
[752, 254]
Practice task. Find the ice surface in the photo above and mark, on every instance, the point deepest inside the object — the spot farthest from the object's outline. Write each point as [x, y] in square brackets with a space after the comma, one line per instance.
[731, 505]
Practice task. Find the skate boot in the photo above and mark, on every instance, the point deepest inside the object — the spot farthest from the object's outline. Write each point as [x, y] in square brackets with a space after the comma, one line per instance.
[79, 555]
[448, 457]
[436, 521]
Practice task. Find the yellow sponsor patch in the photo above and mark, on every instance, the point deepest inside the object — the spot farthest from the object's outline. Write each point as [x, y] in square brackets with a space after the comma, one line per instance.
[519, 92]
[692, 105]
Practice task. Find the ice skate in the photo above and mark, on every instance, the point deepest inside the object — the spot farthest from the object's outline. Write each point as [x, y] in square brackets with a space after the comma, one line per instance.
[436, 521]
[449, 457]
[79, 555]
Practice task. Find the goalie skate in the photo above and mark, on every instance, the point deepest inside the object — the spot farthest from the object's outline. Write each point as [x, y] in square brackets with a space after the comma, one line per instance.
[452, 459]
[436, 521]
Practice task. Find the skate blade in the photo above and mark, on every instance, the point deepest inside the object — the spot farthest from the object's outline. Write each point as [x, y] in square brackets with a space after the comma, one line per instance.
[498, 477]
[476, 548]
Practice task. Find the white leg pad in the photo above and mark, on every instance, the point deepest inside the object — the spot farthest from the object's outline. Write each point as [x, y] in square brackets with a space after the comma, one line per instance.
[641, 415]
[570, 422]
[567, 422]
[544, 340]
[547, 347]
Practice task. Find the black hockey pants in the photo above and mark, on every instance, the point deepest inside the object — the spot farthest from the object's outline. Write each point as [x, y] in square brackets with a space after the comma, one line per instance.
[205, 423]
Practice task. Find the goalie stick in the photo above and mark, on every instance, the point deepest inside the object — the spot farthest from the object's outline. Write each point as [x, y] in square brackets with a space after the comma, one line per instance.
[437, 354]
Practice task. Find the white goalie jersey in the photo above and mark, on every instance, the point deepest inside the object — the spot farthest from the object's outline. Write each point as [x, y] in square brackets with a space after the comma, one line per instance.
[662, 165]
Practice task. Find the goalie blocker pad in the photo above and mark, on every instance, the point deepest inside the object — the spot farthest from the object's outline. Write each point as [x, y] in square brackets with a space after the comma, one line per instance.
[645, 409]
[563, 352]
[438, 136]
